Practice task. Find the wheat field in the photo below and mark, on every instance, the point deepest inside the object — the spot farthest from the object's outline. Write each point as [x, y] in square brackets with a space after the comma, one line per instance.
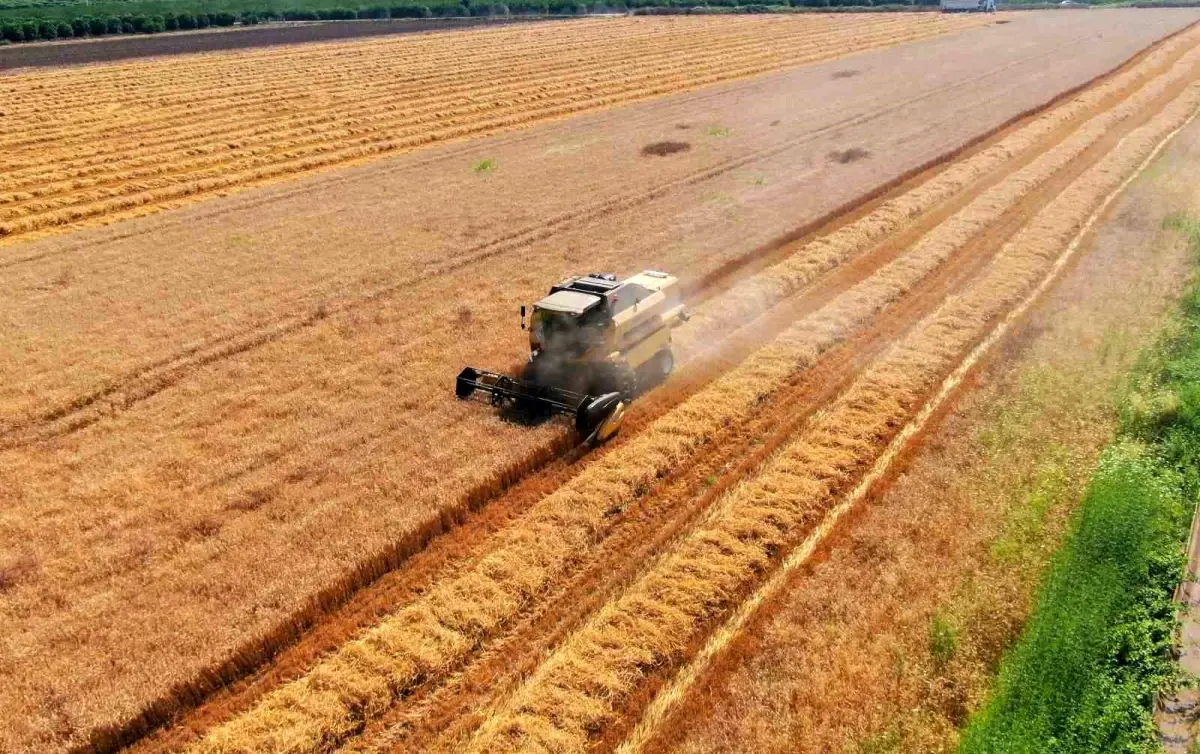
[240, 510]
[579, 689]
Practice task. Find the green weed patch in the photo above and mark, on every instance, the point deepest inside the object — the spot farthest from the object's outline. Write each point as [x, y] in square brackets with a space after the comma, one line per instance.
[1096, 651]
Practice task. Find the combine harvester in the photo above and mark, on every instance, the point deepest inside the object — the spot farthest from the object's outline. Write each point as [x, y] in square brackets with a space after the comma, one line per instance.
[596, 343]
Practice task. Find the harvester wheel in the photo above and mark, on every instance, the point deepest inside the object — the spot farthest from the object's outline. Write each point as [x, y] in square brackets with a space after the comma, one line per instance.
[666, 363]
[656, 370]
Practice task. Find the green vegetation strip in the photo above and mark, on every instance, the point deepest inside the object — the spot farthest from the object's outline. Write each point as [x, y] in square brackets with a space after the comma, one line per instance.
[1096, 651]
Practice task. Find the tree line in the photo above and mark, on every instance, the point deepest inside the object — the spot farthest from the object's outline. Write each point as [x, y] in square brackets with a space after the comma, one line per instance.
[37, 29]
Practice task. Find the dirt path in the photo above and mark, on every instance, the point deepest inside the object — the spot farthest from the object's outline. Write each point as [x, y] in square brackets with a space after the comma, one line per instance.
[1176, 716]
[202, 434]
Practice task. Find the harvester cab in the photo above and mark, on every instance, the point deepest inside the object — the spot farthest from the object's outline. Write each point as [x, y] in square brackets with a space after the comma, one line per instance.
[595, 344]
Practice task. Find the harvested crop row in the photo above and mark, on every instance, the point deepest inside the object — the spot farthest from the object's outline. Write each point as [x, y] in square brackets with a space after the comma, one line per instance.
[185, 148]
[341, 94]
[428, 638]
[336, 441]
[311, 457]
[165, 171]
[139, 86]
[347, 99]
[679, 704]
[579, 688]
[123, 391]
[431, 636]
[977, 215]
[129, 84]
[828, 252]
[66, 176]
[120, 393]
[406, 116]
[230, 153]
[126, 390]
[348, 95]
[245, 104]
[218, 141]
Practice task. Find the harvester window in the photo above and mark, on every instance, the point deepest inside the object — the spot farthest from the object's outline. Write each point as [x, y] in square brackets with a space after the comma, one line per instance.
[625, 297]
[595, 318]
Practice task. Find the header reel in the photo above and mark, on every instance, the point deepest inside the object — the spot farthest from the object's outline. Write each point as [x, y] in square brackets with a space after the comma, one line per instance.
[597, 417]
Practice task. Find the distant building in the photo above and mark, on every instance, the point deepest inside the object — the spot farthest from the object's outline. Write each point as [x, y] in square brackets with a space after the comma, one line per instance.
[968, 6]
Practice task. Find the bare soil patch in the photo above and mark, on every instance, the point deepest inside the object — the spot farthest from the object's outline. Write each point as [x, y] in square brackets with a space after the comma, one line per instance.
[847, 156]
[664, 148]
